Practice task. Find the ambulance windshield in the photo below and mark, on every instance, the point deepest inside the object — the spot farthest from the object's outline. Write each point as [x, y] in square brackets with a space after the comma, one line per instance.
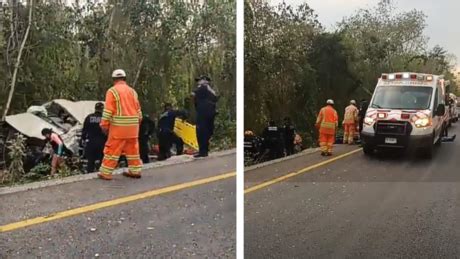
[402, 97]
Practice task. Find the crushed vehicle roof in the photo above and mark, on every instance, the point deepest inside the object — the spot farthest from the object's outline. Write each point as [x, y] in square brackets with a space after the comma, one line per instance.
[79, 110]
[31, 125]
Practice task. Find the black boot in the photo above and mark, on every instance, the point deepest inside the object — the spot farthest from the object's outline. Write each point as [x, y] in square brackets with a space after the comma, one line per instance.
[200, 155]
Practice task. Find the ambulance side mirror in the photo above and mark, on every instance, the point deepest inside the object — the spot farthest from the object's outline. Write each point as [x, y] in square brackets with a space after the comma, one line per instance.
[441, 110]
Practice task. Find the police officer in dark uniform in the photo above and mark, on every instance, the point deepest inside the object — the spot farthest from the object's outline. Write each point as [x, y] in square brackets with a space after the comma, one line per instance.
[289, 135]
[146, 130]
[273, 141]
[94, 138]
[205, 105]
[166, 135]
[362, 113]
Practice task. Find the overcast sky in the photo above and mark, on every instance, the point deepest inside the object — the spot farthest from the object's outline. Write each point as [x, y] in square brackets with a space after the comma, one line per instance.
[443, 21]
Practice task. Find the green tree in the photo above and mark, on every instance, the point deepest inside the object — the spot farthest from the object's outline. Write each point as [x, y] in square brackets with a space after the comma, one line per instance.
[292, 65]
[71, 52]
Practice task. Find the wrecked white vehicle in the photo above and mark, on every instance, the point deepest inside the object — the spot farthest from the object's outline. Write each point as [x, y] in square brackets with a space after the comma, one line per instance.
[63, 116]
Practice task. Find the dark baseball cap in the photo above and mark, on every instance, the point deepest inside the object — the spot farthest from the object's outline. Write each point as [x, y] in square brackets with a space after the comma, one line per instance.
[203, 77]
[99, 105]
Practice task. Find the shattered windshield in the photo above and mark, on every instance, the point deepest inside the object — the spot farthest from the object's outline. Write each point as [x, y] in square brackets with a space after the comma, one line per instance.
[54, 114]
[60, 117]
[402, 97]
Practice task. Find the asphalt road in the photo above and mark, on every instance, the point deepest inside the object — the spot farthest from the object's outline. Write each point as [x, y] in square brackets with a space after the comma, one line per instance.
[391, 205]
[197, 222]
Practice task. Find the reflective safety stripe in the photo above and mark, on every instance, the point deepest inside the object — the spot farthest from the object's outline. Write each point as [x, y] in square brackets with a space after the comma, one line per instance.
[136, 157]
[123, 124]
[135, 166]
[328, 125]
[113, 158]
[324, 122]
[117, 119]
[349, 116]
[107, 114]
[117, 100]
[125, 120]
[126, 123]
[106, 170]
[135, 169]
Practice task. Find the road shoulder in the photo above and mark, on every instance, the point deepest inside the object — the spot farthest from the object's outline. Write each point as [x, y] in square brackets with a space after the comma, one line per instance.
[44, 201]
[277, 168]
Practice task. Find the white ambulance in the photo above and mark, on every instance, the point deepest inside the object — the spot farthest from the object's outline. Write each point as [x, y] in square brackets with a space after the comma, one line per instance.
[407, 111]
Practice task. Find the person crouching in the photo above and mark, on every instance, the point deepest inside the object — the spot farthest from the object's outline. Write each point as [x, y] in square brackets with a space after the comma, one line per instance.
[58, 148]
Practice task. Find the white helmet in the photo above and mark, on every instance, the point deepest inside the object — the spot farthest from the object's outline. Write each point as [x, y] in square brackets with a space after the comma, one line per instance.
[353, 102]
[330, 101]
[118, 73]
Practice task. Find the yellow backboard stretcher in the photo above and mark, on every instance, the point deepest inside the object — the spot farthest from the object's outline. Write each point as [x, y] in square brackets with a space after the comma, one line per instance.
[187, 132]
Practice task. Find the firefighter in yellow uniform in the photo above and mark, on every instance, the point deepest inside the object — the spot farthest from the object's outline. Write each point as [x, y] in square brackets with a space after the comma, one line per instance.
[120, 120]
[327, 123]
[350, 121]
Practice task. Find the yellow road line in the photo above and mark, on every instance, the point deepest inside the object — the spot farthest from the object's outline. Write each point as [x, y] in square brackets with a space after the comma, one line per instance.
[110, 203]
[301, 171]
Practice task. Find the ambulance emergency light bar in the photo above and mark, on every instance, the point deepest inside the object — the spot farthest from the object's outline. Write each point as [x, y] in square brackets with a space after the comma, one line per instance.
[407, 76]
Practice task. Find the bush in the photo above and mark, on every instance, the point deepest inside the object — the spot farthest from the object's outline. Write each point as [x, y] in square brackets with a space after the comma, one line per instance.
[224, 133]
[41, 169]
[38, 172]
[65, 171]
[16, 153]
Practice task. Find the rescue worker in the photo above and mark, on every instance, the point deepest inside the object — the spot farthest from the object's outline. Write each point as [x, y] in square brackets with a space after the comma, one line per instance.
[205, 104]
[289, 136]
[146, 130]
[327, 123]
[58, 148]
[273, 140]
[362, 113]
[120, 120]
[166, 135]
[349, 123]
[94, 138]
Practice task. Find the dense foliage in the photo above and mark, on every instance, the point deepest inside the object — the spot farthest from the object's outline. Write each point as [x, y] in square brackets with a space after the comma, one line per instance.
[162, 45]
[292, 64]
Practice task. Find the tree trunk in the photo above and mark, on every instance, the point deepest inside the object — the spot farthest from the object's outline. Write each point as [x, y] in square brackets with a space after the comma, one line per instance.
[108, 33]
[11, 39]
[139, 68]
[18, 61]
[253, 13]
